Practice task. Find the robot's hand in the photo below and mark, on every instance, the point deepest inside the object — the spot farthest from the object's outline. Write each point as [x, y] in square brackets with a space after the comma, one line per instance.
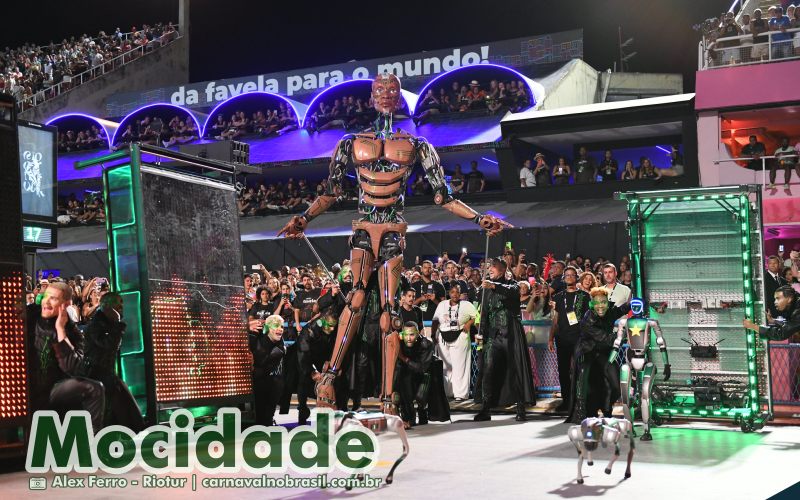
[493, 225]
[295, 227]
[667, 372]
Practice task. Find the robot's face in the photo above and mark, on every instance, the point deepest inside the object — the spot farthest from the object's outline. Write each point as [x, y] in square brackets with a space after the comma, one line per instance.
[386, 93]
[637, 307]
[592, 430]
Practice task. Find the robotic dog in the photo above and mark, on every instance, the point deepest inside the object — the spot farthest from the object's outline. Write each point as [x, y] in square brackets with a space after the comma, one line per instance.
[378, 423]
[594, 430]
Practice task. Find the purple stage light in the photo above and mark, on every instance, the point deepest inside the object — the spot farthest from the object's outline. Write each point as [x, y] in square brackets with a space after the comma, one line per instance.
[488, 159]
[495, 214]
[325, 91]
[480, 65]
[668, 151]
[82, 115]
[213, 113]
[123, 123]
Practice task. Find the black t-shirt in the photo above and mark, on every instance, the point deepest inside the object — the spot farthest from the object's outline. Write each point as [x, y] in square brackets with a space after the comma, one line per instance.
[751, 150]
[584, 169]
[305, 300]
[578, 302]
[474, 179]
[543, 177]
[608, 169]
[761, 25]
[429, 307]
[287, 313]
[415, 315]
[261, 311]
[461, 283]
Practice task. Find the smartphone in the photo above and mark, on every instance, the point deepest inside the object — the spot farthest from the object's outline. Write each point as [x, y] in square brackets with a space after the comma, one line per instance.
[463, 249]
[780, 248]
[255, 267]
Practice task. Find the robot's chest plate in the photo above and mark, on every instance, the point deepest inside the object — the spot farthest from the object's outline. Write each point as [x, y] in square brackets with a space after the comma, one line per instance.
[638, 333]
[397, 149]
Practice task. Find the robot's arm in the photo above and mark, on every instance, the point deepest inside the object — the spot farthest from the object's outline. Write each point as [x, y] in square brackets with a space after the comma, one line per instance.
[435, 175]
[334, 188]
[662, 346]
[621, 328]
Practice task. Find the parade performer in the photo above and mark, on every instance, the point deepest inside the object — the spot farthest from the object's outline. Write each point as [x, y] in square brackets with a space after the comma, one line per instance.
[383, 159]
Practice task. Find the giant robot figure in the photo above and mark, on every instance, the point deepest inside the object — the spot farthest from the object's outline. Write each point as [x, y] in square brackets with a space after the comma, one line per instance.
[383, 159]
[637, 329]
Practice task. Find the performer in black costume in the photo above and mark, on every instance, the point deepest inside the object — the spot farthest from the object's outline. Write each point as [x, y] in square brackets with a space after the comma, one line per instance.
[507, 375]
[419, 379]
[314, 347]
[103, 337]
[269, 352]
[591, 357]
[55, 351]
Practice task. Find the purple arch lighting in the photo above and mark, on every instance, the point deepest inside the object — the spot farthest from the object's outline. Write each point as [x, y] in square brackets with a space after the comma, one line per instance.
[123, 123]
[406, 95]
[51, 121]
[480, 65]
[213, 113]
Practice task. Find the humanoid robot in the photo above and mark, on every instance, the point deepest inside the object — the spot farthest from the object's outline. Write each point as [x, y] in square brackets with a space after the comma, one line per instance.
[383, 159]
[637, 329]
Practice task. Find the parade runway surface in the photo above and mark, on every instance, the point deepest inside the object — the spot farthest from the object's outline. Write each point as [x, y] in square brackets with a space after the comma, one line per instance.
[534, 459]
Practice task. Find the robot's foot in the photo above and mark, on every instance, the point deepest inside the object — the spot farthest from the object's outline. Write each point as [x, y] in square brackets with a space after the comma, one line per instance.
[590, 463]
[608, 471]
[389, 408]
[580, 481]
[647, 436]
[326, 396]
[627, 475]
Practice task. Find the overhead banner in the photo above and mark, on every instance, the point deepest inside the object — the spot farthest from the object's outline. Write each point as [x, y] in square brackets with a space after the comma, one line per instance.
[414, 69]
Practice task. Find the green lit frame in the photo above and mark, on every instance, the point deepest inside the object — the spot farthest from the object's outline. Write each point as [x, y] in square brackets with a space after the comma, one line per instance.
[639, 203]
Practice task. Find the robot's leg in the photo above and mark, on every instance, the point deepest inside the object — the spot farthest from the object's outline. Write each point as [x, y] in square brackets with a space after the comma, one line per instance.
[626, 387]
[574, 434]
[611, 436]
[361, 262]
[390, 323]
[648, 378]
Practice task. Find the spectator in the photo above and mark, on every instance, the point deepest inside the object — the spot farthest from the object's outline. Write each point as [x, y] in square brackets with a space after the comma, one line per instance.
[676, 164]
[526, 177]
[608, 168]
[476, 96]
[542, 171]
[562, 172]
[786, 159]
[629, 173]
[429, 291]
[782, 41]
[760, 41]
[755, 150]
[457, 180]
[585, 168]
[618, 294]
[475, 180]
[648, 171]
[731, 51]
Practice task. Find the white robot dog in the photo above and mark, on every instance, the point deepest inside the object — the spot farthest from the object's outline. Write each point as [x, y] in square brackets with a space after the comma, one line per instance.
[594, 430]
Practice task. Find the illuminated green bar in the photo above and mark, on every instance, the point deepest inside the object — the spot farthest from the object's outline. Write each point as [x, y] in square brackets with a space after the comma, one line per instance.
[80, 165]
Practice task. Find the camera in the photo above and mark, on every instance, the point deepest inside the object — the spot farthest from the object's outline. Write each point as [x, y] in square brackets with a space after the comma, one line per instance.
[453, 324]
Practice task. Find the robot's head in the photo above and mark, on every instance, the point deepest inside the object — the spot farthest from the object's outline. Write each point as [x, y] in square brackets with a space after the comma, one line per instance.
[592, 432]
[386, 93]
[637, 306]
